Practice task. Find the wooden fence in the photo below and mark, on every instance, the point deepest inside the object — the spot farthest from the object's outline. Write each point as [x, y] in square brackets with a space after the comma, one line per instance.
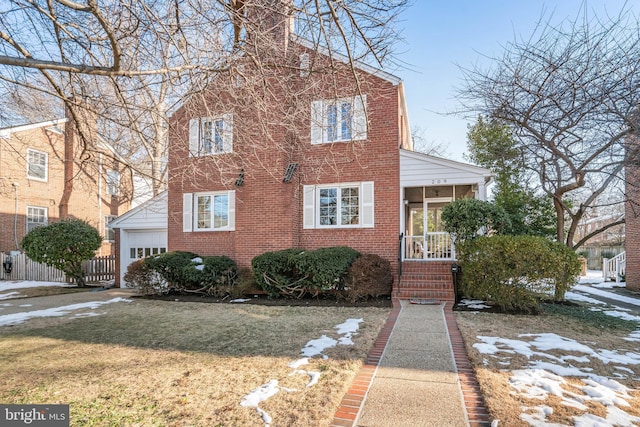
[97, 269]
[594, 254]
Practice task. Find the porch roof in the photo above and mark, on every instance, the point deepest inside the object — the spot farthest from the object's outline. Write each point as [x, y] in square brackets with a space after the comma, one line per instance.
[418, 169]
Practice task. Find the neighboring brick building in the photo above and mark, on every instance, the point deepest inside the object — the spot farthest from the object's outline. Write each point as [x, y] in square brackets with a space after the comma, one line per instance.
[32, 182]
[308, 152]
[632, 216]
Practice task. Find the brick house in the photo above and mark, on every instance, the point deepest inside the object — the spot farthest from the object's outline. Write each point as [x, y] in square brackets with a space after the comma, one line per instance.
[33, 172]
[307, 152]
[632, 217]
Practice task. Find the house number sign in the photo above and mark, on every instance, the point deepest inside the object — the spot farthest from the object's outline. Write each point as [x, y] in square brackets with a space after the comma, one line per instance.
[438, 181]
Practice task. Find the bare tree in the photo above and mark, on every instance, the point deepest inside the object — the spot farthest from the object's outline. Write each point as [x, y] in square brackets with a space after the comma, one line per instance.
[131, 62]
[571, 92]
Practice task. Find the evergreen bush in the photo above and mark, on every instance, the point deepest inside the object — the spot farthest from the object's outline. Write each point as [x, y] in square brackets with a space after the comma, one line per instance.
[515, 272]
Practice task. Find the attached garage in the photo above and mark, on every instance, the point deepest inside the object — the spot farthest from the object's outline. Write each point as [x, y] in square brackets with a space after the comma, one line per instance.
[140, 233]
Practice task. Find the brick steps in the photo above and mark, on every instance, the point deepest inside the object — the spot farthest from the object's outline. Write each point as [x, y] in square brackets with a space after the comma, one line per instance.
[425, 280]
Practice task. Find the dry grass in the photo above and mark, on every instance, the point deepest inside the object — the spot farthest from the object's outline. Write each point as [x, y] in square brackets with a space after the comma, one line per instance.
[161, 363]
[43, 291]
[493, 373]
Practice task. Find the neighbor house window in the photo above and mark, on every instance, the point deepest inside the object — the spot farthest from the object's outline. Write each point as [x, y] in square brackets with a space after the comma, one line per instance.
[36, 216]
[305, 64]
[109, 233]
[37, 164]
[338, 120]
[338, 205]
[113, 182]
[211, 135]
[212, 211]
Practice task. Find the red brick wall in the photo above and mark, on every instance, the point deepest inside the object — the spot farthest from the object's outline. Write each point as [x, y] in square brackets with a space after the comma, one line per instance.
[84, 202]
[632, 218]
[271, 130]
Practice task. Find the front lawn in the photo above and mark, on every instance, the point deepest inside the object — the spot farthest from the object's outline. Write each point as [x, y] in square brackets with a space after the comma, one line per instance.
[164, 363]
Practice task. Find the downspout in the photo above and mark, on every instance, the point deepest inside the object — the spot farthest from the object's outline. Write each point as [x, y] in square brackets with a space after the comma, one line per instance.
[15, 216]
[100, 216]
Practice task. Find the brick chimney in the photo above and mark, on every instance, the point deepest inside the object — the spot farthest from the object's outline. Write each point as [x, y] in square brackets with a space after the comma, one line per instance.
[269, 24]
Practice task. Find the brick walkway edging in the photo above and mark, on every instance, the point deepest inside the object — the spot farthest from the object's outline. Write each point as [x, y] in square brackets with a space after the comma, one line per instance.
[352, 402]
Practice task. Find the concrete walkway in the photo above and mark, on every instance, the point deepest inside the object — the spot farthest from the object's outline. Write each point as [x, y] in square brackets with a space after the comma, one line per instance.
[417, 374]
[416, 383]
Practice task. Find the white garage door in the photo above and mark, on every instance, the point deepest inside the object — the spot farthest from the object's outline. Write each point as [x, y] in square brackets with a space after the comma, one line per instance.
[141, 244]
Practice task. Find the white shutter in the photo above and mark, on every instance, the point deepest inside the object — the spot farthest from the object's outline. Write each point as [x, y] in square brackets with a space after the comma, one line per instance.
[232, 210]
[304, 65]
[187, 212]
[359, 125]
[317, 122]
[309, 207]
[366, 219]
[227, 133]
[194, 136]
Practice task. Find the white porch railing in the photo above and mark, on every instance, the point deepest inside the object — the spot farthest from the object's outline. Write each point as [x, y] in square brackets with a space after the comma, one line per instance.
[431, 246]
[614, 268]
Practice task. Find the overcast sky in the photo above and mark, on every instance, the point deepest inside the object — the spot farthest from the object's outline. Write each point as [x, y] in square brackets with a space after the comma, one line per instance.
[441, 35]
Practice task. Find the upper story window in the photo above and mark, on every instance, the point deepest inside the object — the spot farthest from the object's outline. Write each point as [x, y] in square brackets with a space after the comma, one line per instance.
[113, 182]
[109, 233]
[338, 120]
[213, 211]
[36, 216]
[211, 135]
[338, 205]
[37, 164]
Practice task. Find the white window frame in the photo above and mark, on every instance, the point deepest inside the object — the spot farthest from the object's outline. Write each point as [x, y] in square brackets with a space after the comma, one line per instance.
[31, 152]
[331, 123]
[211, 135]
[113, 182]
[108, 231]
[312, 205]
[44, 215]
[190, 211]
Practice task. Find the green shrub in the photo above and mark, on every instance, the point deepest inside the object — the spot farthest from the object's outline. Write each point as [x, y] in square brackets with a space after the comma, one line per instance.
[219, 275]
[275, 271]
[326, 268]
[64, 245]
[296, 272]
[146, 280]
[467, 219]
[369, 276]
[515, 272]
[177, 268]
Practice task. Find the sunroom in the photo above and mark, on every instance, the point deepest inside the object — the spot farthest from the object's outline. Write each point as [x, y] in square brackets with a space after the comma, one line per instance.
[428, 184]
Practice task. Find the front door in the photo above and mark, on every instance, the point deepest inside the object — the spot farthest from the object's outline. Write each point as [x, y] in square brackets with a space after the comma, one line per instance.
[437, 242]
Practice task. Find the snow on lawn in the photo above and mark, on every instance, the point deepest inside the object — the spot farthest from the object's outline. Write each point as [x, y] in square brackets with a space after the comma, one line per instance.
[313, 348]
[16, 318]
[22, 284]
[546, 372]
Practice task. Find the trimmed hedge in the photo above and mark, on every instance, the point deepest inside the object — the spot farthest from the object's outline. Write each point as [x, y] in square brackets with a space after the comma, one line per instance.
[296, 272]
[187, 272]
[515, 272]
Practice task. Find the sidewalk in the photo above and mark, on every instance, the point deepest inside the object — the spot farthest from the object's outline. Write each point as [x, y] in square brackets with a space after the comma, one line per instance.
[414, 377]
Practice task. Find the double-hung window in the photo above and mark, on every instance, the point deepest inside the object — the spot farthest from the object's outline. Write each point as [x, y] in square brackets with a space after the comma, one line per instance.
[37, 164]
[211, 211]
[211, 135]
[36, 216]
[338, 205]
[113, 182]
[109, 233]
[338, 120]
